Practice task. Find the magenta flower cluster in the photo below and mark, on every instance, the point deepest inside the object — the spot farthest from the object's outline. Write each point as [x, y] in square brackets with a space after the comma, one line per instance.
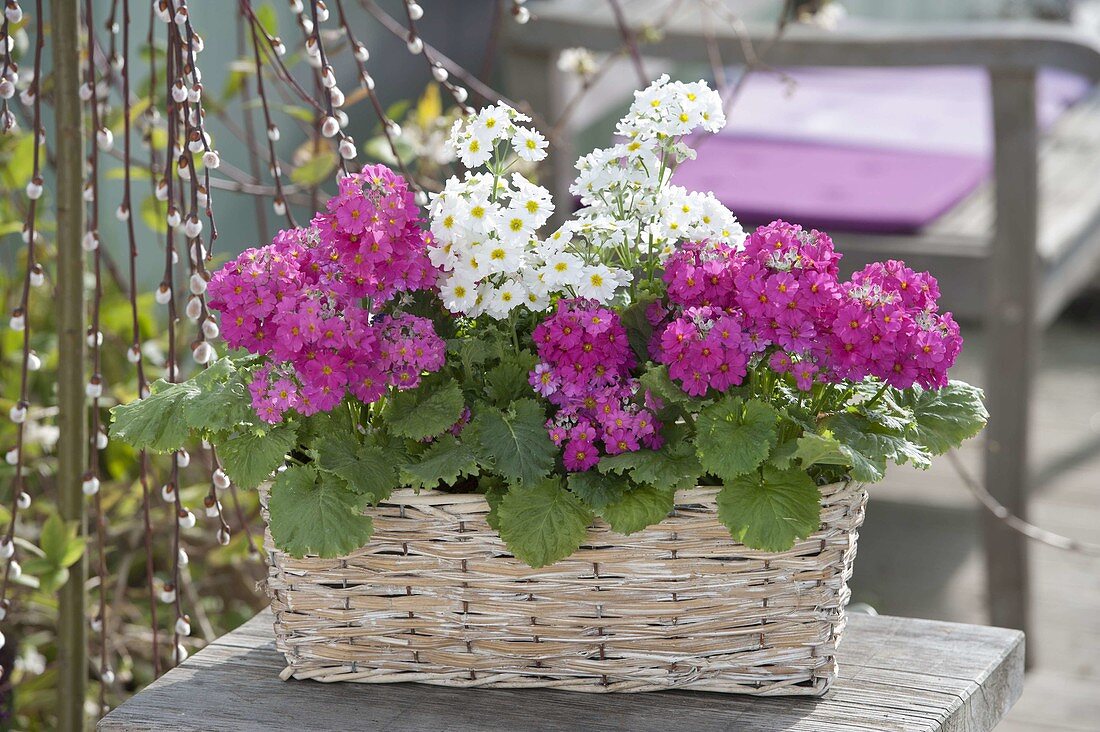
[309, 303]
[781, 299]
[373, 226]
[585, 372]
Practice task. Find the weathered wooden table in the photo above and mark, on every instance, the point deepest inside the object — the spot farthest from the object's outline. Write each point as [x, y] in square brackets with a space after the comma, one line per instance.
[896, 674]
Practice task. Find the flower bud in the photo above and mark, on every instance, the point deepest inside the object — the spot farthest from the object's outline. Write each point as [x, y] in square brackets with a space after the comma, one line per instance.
[362, 55]
[273, 133]
[203, 353]
[24, 500]
[183, 625]
[18, 321]
[174, 218]
[161, 191]
[439, 73]
[33, 361]
[107, 676]
[11, 457]
[105, 138]
[15, 571]
[38, 276]
[168, 493]
[18, 413]
[279, 206]
[122, 213]
[330, 127]
[179, 92]
[224, 536]
[415, 11]
[94, 338]
[133, 354]
[347, 148]
[414, 44]
[210, 329]
[34, 189]
[198, 283]
[220, 479]
[192, 227]
[90, 485]
[183, 558]
[167, 593]
[94, 388]
[90, 242]
[211, 159]
[101, 439]
[186, 519]
[7, 548]
[163, 295]
[460, 94]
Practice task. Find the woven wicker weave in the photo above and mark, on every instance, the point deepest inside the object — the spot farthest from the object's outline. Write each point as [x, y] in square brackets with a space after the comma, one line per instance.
[436, 598]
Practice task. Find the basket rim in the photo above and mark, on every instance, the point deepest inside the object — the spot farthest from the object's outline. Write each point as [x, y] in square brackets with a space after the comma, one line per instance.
[699, 494]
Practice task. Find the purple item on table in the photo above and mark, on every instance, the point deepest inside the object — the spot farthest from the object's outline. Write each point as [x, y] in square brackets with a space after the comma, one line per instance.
[882, 150]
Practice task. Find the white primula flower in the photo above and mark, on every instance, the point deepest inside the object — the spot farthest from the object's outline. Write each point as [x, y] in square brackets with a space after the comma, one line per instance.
[529, 144]
[577, 61]
[599, 282]
[458, 293]
[563, 270]
[503, 299]
[474, 152]
[533, 203]
[501, 256]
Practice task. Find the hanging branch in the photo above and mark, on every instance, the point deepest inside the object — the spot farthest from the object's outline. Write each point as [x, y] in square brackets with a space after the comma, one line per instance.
[91, 243]
[20, 320]
[390, 129]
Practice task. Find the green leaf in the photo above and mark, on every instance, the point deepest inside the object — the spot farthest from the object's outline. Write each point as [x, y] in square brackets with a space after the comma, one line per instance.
[316, 170]
[154, 213]
[769, 511]
[312, 515]
[657, 380]
[446, 460]
[821, 449]
[215, 400]
[516, 441]
[249, 458]
[269, 19]
[365, 468]
[869, 441]
[221, 401]
[155, 423]
[543, 523]
[638, 329]
[675, 466]
[60, 543]
[734, 436]
[596, 489]
[425, 411]
[507, 380]
[945, 417]
[638, 508]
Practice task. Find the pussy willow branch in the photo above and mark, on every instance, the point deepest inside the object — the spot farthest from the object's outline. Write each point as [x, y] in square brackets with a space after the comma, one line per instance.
[325, 89]
[259, 209]
[96, 346]
[631, 43]
[23, 310]
[366, 83]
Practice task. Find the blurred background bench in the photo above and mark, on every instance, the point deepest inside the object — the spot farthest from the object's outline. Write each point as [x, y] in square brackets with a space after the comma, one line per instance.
[1007, 220]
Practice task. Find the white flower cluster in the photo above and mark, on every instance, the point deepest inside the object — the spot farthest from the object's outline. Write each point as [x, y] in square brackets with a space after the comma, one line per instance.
[487, 137]
[483, 239]
[484, 227]
[631, 208]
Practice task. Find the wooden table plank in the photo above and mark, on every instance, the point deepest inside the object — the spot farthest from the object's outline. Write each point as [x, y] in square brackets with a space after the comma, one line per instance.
[896, 674]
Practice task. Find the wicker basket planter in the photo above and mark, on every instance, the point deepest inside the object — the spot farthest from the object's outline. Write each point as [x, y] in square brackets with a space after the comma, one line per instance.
[436, 598]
